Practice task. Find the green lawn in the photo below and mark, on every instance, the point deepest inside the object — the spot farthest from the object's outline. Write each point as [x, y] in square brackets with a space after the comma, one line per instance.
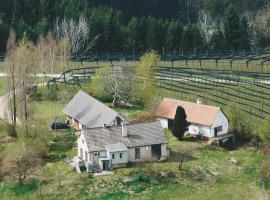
[208, 174]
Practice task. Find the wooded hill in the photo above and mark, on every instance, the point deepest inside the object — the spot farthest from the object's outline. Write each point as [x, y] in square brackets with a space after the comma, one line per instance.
[138, 25]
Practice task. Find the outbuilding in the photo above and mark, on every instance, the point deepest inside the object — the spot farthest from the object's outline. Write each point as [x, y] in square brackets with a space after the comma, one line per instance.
[85, 112]
[205, 120]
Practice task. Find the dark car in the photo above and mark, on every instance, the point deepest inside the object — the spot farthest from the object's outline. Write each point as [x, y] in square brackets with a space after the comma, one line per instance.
[59, 125]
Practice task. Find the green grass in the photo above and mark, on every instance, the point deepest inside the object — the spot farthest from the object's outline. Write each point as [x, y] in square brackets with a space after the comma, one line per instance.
[209, 174]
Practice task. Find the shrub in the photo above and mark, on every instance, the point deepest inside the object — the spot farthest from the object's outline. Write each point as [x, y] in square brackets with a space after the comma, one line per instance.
[264, 131]
[52, 93]
[141, 177]
[239, 126]
[265, 173]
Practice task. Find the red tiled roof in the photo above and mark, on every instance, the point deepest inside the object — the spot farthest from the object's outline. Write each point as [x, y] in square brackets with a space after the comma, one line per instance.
[196, 113]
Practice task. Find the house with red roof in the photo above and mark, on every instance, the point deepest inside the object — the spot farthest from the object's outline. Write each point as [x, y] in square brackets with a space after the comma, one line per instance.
[205, 120]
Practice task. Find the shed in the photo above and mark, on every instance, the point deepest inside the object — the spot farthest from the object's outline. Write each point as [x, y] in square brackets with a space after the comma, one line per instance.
[84, 112]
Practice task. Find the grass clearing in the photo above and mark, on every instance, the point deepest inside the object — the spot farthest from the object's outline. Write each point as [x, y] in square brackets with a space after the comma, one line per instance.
[210, 174]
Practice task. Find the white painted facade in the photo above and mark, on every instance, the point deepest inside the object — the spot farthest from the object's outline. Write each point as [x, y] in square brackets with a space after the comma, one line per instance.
[202, 130]
[118, 161]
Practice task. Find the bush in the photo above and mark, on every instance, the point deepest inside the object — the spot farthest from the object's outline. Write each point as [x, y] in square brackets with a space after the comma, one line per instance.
[239, 126]
[141, 177]
[52, 93]
[265, 173]
[264, 131]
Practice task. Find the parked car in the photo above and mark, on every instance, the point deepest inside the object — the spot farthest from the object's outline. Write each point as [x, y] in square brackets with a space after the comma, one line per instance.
[59, 125]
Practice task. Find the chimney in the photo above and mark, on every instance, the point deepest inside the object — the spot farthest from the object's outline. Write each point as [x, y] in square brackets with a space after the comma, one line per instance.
[124, 129]
[199, 101]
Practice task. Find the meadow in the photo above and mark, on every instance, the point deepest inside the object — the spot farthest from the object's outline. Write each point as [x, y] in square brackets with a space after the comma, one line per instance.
[208, 173]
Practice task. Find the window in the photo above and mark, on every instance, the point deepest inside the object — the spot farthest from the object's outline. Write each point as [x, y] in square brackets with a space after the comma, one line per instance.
[218, 129]
[137, 153]
[120, 155]
[113, 156]
[97, 154]
[82, 141]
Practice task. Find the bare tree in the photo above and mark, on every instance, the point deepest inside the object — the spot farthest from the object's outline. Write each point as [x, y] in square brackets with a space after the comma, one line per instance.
[63, 52]
[11, 71]
[119, 84]
[184, 154]
[207, 25]
[115, 81]
[21, 166]
[25, 64]
[77, 33]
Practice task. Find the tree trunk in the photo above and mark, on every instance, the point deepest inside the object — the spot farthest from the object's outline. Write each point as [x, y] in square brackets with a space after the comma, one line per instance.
[14, 115]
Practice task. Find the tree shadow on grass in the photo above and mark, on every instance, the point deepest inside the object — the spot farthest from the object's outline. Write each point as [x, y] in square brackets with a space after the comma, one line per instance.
[29, 186]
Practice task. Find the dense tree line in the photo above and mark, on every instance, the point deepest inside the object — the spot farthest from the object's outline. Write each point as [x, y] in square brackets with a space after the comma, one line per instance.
[129, 25]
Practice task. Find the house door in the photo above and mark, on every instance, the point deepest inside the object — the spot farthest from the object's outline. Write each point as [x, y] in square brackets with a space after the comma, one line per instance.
[217, 130]
[156, 151]
[106, 165]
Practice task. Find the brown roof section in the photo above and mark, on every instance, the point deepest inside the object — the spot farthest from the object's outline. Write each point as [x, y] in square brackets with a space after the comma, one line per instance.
[196, 113]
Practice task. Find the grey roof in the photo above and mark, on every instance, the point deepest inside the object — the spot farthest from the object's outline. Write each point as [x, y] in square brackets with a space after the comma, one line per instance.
[90, 112]
[116, 147]
[142, 134]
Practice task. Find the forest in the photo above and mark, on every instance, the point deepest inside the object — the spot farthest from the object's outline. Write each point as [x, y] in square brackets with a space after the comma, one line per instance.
[127, 25]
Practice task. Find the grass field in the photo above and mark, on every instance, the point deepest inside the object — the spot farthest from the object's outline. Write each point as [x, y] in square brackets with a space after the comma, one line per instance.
[209, 173]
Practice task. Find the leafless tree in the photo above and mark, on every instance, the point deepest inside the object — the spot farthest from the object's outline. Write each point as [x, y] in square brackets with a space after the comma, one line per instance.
[21, 166]
[63, 52]
[77, 33]
[25, 63]
[184, 153]
[11, 71]
[119, 84]
[207, 25]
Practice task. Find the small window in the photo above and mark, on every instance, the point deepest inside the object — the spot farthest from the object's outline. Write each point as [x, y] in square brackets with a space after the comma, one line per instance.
[137, 153]
[82, 141]
[113, 156]
[98, 154]
[218, 129]
[120, 155]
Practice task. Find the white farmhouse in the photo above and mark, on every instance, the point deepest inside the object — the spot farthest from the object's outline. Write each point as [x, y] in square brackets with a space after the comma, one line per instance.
[110, 147]
[205, 120]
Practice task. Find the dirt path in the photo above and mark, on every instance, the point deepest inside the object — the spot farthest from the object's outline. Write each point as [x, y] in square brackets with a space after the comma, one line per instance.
[4, 112]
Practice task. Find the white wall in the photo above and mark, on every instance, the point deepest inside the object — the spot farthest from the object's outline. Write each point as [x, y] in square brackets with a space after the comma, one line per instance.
[163, 122]
[221, 120]
[165, 152]
[82, 145]
[117, 159]
[145, 154]
[199, 130]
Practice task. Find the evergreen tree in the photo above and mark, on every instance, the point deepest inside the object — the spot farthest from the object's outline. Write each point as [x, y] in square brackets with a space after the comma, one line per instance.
[232, 28]
[174, 36]
[180, 124]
